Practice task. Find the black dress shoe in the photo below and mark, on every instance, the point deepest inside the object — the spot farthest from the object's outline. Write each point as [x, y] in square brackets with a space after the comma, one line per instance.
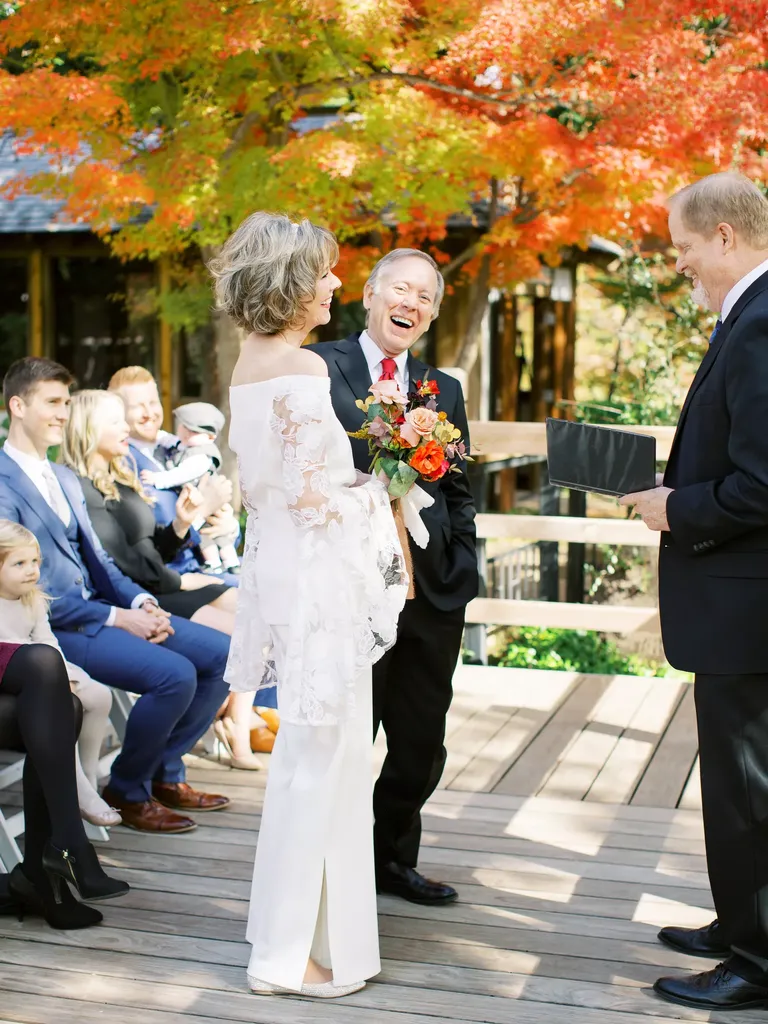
[718, 989]
[706, 941]
[399, 880]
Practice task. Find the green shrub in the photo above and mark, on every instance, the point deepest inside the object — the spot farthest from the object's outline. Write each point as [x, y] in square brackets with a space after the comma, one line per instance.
[570, 650]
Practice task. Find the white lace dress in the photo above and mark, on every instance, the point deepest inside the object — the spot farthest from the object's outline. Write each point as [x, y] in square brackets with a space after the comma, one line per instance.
[321, 588]
[323, 580]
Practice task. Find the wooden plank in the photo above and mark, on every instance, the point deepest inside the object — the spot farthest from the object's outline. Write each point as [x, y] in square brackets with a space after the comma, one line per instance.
[569, 808]
[619, 776]
[535, 765]
[605, 723]
[499, 439]
[571, 529]
[458, 980]
[483, 771]
[471, 738]
[378, 1002]
[561, 849]
[664, 780]
[691, 798]
[54, 991]
[561, 615]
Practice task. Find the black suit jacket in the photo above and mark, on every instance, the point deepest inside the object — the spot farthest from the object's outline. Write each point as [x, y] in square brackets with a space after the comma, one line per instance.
[446, 570]
[713, 565]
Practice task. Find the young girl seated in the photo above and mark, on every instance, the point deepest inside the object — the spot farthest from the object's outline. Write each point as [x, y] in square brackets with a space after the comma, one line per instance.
[24, 620]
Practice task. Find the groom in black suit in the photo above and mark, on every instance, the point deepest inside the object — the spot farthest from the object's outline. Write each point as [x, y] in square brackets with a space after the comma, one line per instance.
[412, 686]
[712, 512]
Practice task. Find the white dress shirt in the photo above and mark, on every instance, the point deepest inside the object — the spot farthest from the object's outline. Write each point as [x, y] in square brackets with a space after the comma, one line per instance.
[374, 355]
[740, 287]
[53, 494]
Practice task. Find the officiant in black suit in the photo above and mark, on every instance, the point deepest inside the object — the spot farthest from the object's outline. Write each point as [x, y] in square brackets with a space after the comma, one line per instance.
[412, 684]
[712, 511]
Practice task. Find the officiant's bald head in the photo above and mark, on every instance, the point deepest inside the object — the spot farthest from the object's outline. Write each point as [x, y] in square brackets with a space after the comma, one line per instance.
[402, 298]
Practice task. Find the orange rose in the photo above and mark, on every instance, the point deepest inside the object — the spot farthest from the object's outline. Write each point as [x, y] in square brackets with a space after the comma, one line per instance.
[428, 459]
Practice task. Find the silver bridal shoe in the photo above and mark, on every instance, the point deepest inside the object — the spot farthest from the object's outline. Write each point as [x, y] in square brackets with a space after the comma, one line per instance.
[325, 990]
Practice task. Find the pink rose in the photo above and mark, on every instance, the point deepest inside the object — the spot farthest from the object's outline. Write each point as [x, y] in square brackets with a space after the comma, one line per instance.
[387, 393]
[409, 435]
[422, 420]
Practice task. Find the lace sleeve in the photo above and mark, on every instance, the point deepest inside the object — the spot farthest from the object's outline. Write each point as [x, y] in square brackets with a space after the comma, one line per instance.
[350, 583]
[298, 420]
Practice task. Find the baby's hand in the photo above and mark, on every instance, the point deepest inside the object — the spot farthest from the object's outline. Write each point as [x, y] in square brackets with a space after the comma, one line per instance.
[147, 477]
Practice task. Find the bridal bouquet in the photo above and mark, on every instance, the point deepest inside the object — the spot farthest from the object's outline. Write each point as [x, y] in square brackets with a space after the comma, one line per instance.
[409, 441]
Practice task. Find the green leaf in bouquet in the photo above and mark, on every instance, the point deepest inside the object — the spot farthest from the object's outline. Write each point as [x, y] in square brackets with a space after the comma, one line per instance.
[377, 410]
[405, 477]
[389, 466]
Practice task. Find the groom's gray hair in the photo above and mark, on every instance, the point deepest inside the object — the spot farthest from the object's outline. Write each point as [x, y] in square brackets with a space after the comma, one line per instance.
[726, 197]
[374, 281]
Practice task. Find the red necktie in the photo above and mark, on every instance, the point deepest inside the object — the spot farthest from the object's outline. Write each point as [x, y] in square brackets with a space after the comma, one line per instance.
[388, 367]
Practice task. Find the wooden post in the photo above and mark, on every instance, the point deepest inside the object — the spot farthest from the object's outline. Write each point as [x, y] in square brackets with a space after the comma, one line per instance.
[509, 378]
[574, 587]
[36, 305]
[569, 369]
[559, 350]
[166, 347]
[549, 551]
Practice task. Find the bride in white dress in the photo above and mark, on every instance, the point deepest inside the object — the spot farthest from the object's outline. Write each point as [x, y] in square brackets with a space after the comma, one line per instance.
[321, 588]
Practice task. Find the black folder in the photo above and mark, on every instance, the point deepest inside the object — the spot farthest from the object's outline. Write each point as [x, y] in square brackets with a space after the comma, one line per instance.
[586, 457]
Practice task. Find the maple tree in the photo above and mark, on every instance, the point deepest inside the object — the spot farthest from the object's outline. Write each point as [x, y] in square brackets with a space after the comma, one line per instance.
[545, 121]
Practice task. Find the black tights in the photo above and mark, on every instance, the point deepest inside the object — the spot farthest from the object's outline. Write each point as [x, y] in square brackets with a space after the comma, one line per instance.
[48, 717]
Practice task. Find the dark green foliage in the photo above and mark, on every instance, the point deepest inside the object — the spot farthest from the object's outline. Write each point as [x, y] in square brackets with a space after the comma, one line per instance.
[571, 650]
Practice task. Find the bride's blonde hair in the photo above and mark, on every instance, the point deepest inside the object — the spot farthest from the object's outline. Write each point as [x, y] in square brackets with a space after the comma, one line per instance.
[80, 445]
[12, 537]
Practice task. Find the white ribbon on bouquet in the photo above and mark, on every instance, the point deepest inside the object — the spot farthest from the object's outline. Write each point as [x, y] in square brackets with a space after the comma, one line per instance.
[411, 506]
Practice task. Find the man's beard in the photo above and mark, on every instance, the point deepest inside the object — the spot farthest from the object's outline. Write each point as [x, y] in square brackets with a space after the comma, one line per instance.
[700, 296]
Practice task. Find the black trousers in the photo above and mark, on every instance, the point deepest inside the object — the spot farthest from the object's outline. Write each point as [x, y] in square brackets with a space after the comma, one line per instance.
[732, 716]
[412, 691]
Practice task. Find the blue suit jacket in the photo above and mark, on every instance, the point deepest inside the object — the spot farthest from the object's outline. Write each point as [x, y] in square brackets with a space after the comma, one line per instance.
[61, 577]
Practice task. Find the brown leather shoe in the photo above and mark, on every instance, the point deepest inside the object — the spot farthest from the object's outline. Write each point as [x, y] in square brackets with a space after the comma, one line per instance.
[149, 815]
[182, 797]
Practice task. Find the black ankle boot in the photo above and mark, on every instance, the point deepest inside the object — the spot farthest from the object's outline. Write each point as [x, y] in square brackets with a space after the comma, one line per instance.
[36, 898]
[80, 868]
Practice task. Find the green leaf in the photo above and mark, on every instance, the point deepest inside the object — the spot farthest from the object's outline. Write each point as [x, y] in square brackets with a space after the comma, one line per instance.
[403, 480]
[389, 466]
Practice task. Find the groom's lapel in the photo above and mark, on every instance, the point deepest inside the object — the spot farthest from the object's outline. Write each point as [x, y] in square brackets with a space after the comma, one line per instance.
[353, 366]
[416, 370]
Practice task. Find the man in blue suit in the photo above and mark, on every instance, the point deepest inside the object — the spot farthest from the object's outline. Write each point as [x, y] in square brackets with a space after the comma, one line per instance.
[103, 621]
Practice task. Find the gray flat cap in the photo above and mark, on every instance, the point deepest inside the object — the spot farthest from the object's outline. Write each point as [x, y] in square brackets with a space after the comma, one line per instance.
[200, 416]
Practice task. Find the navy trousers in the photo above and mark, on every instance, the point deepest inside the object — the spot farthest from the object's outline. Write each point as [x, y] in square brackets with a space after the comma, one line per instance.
[181, 687]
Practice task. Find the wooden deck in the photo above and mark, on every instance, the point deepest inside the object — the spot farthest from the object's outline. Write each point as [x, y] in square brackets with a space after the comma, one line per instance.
[558, 822]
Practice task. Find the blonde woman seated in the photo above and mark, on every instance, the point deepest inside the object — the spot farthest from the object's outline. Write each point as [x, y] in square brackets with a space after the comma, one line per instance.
[95, 446]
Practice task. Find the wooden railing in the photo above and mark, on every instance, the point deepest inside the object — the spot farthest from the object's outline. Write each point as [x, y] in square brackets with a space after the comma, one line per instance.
[497, 440]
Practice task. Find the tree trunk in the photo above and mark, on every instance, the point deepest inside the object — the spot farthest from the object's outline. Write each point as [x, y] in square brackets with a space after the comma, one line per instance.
[466, 357]
[227, 339]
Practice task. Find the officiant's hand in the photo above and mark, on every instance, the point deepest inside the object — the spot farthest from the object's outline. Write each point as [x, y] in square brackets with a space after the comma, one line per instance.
[650, 506]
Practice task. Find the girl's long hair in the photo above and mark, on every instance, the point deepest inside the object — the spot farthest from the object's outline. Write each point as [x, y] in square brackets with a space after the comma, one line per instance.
[12, 537]
[81, 444]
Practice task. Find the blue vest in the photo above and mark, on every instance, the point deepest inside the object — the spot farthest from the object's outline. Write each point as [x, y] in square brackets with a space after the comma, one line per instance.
[73, 536]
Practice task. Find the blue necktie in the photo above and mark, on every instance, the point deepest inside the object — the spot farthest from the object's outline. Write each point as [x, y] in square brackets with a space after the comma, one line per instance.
[715, 331]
